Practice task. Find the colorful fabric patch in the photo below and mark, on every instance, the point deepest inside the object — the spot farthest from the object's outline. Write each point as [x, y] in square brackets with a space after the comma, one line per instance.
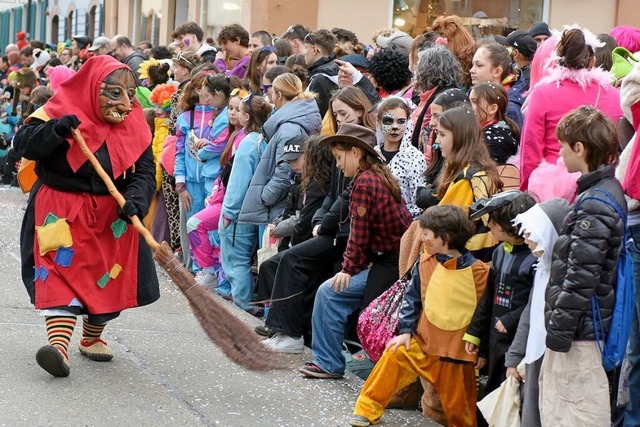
[102, 282]
[40, 273]
[50, 218]
[115, 271]
[362, 211]
[64, 257]
[54, 235]
[118, 227]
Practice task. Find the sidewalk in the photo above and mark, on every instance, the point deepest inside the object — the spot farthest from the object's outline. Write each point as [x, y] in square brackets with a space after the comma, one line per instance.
[165, 371]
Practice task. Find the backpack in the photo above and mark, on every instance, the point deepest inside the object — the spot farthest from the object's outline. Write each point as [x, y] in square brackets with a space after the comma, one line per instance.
[614, 343]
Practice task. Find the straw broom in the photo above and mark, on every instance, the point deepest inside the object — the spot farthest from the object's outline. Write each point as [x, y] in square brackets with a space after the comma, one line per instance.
[234, 337]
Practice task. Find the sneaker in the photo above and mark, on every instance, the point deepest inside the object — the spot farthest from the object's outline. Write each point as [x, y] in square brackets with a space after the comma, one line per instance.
[96, 350]
[359, 421]
[311, 370]
[264, 331]
[51, 360]
[206, 279]
[281, 343]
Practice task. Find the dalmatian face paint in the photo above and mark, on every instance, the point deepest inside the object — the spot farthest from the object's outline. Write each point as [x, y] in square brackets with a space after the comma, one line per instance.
[393, 125]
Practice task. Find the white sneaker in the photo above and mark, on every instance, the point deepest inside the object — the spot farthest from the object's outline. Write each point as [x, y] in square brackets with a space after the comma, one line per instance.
[281, 343]
[206, 279]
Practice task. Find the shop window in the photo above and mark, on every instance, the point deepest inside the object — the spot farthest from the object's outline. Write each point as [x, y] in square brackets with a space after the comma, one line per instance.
[485, 18]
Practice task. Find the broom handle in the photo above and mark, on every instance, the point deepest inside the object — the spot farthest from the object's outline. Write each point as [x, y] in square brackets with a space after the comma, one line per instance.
[137, 224]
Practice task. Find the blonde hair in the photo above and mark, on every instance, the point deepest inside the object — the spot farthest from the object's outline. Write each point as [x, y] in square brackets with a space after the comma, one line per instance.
[290, 86]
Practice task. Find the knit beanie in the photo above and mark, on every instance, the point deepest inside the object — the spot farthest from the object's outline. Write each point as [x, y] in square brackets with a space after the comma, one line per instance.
[556, 210]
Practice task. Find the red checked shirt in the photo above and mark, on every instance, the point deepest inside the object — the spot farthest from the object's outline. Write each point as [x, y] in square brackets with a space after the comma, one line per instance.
[377, 222]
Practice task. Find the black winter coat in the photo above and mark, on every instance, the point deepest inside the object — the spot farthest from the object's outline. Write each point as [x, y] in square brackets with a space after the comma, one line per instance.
[584, 262]
[320, 83]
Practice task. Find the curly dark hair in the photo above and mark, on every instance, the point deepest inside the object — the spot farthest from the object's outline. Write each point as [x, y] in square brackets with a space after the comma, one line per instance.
[317, 164]
[390, 69]
[234, 32]
[161, 52]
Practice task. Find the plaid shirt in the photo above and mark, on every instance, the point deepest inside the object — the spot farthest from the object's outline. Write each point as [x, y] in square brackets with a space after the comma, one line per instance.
[377, 222]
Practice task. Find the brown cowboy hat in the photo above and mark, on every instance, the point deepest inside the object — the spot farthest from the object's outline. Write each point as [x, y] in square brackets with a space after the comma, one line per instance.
[358, 136]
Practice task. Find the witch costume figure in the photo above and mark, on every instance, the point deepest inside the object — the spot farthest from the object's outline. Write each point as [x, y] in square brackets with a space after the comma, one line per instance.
[80, 255]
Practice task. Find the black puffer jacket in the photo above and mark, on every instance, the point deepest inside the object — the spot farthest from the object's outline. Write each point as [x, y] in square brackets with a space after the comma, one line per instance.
[584, 261]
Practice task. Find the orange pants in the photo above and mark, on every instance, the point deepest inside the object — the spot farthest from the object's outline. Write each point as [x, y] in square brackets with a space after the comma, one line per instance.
[455, 383]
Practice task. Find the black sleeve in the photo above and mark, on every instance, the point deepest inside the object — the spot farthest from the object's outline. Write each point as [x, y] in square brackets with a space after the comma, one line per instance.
[411, 305]
[426, 197]
[314, 199]
[322, 86]
[339, 211]
[367, 87]
[481, 322]
[36, 140]
[141, 183]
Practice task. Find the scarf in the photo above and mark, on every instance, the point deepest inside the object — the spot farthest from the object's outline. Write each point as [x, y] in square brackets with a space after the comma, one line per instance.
[80, 95]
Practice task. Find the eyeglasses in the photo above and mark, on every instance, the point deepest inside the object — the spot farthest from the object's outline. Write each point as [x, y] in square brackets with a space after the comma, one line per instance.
[265, 88]
[308, 39]
[181, 57]
[290, 30]
[240, 92]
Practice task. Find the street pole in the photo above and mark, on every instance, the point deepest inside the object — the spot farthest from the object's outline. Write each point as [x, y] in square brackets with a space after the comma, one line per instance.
[29, 19]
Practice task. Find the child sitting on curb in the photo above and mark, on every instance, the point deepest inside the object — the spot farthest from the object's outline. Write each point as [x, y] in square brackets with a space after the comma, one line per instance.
[433, 319]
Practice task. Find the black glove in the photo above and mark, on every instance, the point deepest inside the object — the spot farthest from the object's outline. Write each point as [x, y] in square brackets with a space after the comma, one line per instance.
[129, 209]
[65, 124]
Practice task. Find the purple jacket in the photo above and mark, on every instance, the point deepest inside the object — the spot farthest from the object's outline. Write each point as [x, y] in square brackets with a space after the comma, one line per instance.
[240, 70]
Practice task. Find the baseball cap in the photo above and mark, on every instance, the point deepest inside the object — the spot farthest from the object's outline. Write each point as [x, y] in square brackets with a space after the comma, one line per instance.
[539, 29]
[356, 60]
[98, 43]
[520, 40]
[399, 41]
[293, 148]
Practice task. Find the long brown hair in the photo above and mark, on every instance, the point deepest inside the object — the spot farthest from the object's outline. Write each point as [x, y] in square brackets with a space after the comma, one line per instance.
[233, 131]
[190, 97]
[317, 164]
[468, 149]
[258, 109]
[253, 79]
[355, 98]
[496, 94]
[368, 162]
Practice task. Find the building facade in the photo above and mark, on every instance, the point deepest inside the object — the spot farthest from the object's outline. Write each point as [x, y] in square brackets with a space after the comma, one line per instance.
[57, 20]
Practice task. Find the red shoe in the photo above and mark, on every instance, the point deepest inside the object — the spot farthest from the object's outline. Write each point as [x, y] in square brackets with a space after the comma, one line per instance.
[311, 370]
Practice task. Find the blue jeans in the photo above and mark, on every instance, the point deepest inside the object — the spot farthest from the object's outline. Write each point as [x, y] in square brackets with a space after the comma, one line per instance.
[632, 415]
[330, 312]
[237, 246]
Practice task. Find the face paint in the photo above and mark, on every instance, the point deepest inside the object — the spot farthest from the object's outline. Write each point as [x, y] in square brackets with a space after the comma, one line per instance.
[186, 41]
[116, 96]
[391, 125]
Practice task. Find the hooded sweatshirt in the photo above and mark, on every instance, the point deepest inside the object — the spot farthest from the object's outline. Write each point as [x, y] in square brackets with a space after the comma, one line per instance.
[267, 194]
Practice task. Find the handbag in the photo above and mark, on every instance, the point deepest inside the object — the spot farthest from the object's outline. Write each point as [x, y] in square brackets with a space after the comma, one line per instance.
[377, 323]
[267, 249]
[501, 407]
